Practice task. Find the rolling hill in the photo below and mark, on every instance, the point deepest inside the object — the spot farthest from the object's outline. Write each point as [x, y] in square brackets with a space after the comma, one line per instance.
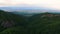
[8, 20]
[40, 23]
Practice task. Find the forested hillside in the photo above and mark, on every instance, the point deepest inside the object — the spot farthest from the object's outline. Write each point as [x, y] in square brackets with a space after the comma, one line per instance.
[43, 23]
[8, 20]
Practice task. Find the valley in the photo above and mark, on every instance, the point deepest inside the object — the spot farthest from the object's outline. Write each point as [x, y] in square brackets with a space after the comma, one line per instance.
[33, 23]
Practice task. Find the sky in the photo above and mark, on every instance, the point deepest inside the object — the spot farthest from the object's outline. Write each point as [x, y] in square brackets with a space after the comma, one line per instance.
[55, 4]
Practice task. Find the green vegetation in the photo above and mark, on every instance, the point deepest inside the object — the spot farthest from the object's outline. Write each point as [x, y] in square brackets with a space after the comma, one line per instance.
[15, 30]
[44, 23]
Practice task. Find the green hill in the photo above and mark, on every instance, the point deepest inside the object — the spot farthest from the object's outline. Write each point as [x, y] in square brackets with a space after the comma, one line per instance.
[43, 23]
[8, 20]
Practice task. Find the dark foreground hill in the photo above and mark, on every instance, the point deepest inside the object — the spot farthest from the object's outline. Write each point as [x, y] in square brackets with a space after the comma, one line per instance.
[8, 20]
[44, 23]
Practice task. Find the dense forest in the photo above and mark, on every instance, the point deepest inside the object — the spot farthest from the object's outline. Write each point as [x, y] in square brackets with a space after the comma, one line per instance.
[43, 23]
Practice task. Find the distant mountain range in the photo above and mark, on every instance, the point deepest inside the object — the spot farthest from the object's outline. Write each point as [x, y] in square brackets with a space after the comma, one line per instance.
[18, 8]
[28, 10]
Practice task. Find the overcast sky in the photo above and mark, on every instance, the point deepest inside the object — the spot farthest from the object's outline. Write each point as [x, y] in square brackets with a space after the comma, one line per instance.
[55, 4]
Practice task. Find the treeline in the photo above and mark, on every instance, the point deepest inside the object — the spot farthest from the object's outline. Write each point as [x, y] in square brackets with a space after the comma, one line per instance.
[37, 24]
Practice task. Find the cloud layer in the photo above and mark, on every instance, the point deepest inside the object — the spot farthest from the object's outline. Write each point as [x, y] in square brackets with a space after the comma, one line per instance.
[55, 4]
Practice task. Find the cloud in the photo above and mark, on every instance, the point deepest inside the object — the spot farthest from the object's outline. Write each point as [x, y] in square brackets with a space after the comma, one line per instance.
[55, 4]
